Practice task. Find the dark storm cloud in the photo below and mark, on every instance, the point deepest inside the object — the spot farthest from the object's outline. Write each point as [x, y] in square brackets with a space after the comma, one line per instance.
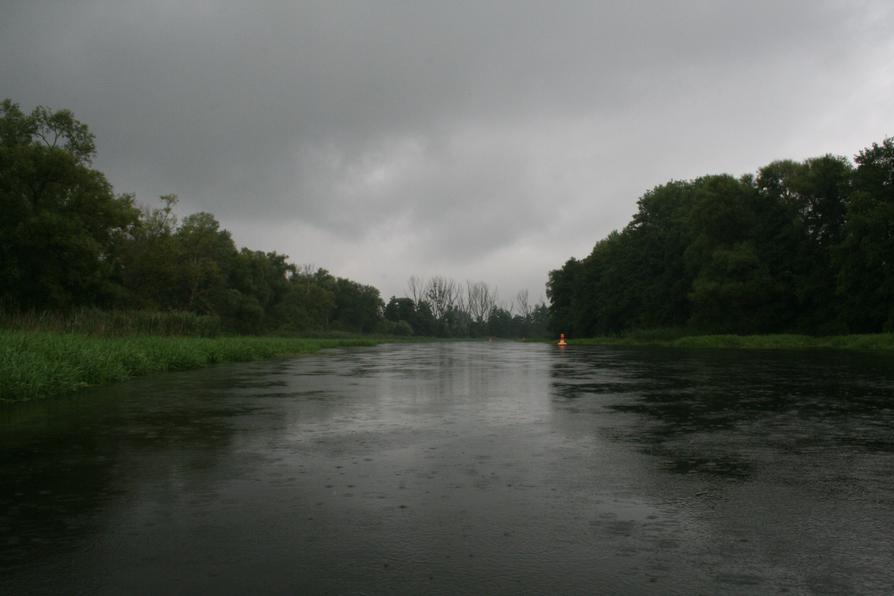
[488, 139]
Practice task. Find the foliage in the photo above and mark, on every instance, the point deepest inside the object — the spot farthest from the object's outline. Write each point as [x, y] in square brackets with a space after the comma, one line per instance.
[42, 364]
[62, 226]
[801, 247]
[865, 256]
[104, 323]
[70, 247]
[68, 243]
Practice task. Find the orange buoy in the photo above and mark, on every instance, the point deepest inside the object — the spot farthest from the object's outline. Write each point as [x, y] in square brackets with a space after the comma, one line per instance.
[562, 340]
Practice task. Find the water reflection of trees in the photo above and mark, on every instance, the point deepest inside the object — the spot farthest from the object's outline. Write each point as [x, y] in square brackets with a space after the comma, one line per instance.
[724, 412]
[62, 461]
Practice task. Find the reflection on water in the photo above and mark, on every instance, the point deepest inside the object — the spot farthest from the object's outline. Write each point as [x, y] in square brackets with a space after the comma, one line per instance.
[461, 468]
[720, 412]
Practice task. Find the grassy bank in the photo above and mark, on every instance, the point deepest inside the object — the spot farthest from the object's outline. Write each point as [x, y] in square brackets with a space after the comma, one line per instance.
[110, 323]
[39, 364]
[875, 341]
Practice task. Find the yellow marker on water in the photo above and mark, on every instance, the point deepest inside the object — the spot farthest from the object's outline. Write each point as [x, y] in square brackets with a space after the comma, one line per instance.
[562, 342]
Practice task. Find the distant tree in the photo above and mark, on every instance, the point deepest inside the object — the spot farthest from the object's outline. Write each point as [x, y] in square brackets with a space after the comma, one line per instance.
[416, 289]
[399, 328]
[538, 325]
[257, 283]
[400, 309]
[500, 323]
[441, 294]
[307, 304]
[816, 190]
[561, 289]
[358, 308]
[480, 301]
[66, 240]
[206, 255]
[425, 322]
[523, 304]
[149, 258]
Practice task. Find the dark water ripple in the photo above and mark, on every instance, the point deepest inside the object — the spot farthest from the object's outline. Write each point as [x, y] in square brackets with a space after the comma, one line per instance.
[461, 468]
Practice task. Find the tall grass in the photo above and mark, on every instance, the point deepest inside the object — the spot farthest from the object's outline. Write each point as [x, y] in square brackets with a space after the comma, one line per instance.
[35, 364]
[93, 321]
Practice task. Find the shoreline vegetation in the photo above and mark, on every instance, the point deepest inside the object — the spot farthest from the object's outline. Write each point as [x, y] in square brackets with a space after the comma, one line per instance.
[77, 256]
[42, 364]
[777, 341]
[799, 247]
[53, 354]
[96, 289]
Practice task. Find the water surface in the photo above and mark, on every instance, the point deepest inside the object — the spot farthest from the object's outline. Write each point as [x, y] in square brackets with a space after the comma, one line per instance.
[461, 468]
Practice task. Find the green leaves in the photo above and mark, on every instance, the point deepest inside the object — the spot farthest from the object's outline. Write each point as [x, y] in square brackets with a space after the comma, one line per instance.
[60, 130]
[804, 246]
[62, 225]
[67, 241]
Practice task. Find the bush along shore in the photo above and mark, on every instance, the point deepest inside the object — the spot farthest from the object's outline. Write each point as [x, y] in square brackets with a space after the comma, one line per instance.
[41, 364]
[871, 341]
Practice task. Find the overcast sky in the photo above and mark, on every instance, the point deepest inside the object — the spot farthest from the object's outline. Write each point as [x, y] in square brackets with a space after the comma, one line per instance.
[478, 140]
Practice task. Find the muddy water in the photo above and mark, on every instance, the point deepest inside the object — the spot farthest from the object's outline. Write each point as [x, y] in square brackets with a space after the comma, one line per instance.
[461, 468]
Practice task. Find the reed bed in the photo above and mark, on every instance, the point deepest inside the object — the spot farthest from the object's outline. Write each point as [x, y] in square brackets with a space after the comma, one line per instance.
[93, 321]
[41, 364]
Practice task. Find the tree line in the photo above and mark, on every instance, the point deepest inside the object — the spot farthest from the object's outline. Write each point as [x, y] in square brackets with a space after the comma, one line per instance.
[68, 241]
[802, 247]
[441, 307]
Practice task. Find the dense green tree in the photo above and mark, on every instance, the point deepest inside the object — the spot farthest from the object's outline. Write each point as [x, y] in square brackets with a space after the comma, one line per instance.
[813, 195]
[561, 290]
[205, 255]
[500, 323]
[740, 258]
[801, 246]
[424, 322]
[400, 309]
[66, 240]
[306, 305]
[149, 255]
[357, 307]
[186, 265]
[660, 234]
[595, 310]
[865, 256]
[62, 225]
[257, 283]
[537, 323]
[816, 191]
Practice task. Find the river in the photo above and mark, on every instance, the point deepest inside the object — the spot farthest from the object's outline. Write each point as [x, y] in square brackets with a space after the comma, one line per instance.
[478, 468]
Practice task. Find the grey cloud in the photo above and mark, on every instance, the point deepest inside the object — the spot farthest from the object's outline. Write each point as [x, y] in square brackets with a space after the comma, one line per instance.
[476, 132]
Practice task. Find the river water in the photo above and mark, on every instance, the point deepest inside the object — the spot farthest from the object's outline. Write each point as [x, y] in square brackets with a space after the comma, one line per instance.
[478, 468]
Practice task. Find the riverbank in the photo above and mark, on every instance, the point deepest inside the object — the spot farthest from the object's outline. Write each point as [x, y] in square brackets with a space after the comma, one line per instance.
[42, 364]
[873, 342]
